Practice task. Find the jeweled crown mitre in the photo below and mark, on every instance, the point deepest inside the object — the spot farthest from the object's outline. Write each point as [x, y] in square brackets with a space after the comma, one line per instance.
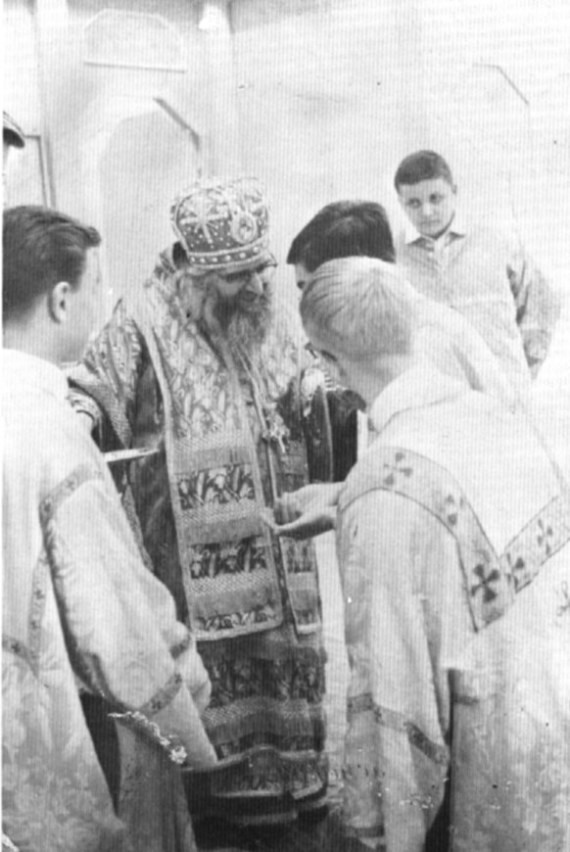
[223, 224]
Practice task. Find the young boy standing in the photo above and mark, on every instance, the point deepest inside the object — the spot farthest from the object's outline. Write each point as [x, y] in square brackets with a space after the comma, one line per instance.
[473, 268]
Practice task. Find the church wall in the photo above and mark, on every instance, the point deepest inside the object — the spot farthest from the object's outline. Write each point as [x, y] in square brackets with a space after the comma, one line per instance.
[320, 99]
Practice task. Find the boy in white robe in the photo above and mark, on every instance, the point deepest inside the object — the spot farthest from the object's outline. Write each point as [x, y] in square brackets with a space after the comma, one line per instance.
[453, 538]
[80, 610]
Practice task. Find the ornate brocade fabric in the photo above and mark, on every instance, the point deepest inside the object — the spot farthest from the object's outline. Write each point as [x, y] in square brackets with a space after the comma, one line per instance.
[79, 611]
[491, 580]
[226, 448]
[458, 648]
[225, 440]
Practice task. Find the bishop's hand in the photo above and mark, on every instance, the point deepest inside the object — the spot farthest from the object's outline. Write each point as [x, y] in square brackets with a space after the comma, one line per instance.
[308, 512]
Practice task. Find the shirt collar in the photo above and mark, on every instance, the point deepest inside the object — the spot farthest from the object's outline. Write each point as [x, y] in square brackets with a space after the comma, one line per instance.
[21, 368]
[457, 228]
[417, 387]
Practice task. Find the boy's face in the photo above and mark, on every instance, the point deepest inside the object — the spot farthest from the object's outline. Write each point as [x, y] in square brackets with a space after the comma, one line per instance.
[429, 205]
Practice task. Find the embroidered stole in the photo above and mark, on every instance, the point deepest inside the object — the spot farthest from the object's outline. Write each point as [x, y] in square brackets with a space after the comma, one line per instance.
[491, 580]
[237, 576]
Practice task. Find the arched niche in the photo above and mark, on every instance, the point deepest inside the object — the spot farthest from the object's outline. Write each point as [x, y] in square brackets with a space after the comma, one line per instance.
[146, 160]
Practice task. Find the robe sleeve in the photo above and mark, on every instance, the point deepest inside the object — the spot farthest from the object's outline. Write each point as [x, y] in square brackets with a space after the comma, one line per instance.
[119, 622]
[104, 385]
[537, 306]
[512, 723]
[404, 610]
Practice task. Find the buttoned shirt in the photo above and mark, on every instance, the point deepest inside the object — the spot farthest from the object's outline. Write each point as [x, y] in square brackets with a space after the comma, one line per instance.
[490, 280]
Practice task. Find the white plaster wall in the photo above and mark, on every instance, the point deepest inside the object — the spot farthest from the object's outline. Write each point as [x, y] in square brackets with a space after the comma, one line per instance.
[330, 102]
[320, 99]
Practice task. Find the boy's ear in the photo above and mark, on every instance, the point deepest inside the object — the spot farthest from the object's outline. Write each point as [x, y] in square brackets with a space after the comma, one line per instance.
[58, 302]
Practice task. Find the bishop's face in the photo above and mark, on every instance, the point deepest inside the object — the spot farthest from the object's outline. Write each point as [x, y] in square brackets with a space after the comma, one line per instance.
[241, 303]
[245, 290]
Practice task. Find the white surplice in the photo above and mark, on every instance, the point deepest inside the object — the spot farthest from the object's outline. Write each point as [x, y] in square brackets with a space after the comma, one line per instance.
[445, 524]
[79, 610]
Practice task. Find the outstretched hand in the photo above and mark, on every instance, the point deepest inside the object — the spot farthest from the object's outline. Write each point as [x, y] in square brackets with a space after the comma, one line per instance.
[308, 512]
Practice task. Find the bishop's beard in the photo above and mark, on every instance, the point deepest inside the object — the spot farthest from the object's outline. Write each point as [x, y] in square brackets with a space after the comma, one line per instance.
[244, 325]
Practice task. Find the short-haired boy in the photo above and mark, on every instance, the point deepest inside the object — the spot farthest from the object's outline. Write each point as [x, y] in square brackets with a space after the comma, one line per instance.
[473, 268]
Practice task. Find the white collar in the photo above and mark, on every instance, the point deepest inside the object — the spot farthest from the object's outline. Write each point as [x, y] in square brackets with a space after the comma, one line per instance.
[21, 368]
[457, 228]
[417, 387]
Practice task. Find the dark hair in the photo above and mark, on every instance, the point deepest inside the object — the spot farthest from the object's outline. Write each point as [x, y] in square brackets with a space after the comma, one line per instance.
[40, 248]
[423, 165]
[344, 229]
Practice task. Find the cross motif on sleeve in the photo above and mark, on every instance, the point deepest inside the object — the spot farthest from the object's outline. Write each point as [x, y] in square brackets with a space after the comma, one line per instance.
[485, 582]
[544, 537]
[517, 571]
[392, 470]
[565, 605]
